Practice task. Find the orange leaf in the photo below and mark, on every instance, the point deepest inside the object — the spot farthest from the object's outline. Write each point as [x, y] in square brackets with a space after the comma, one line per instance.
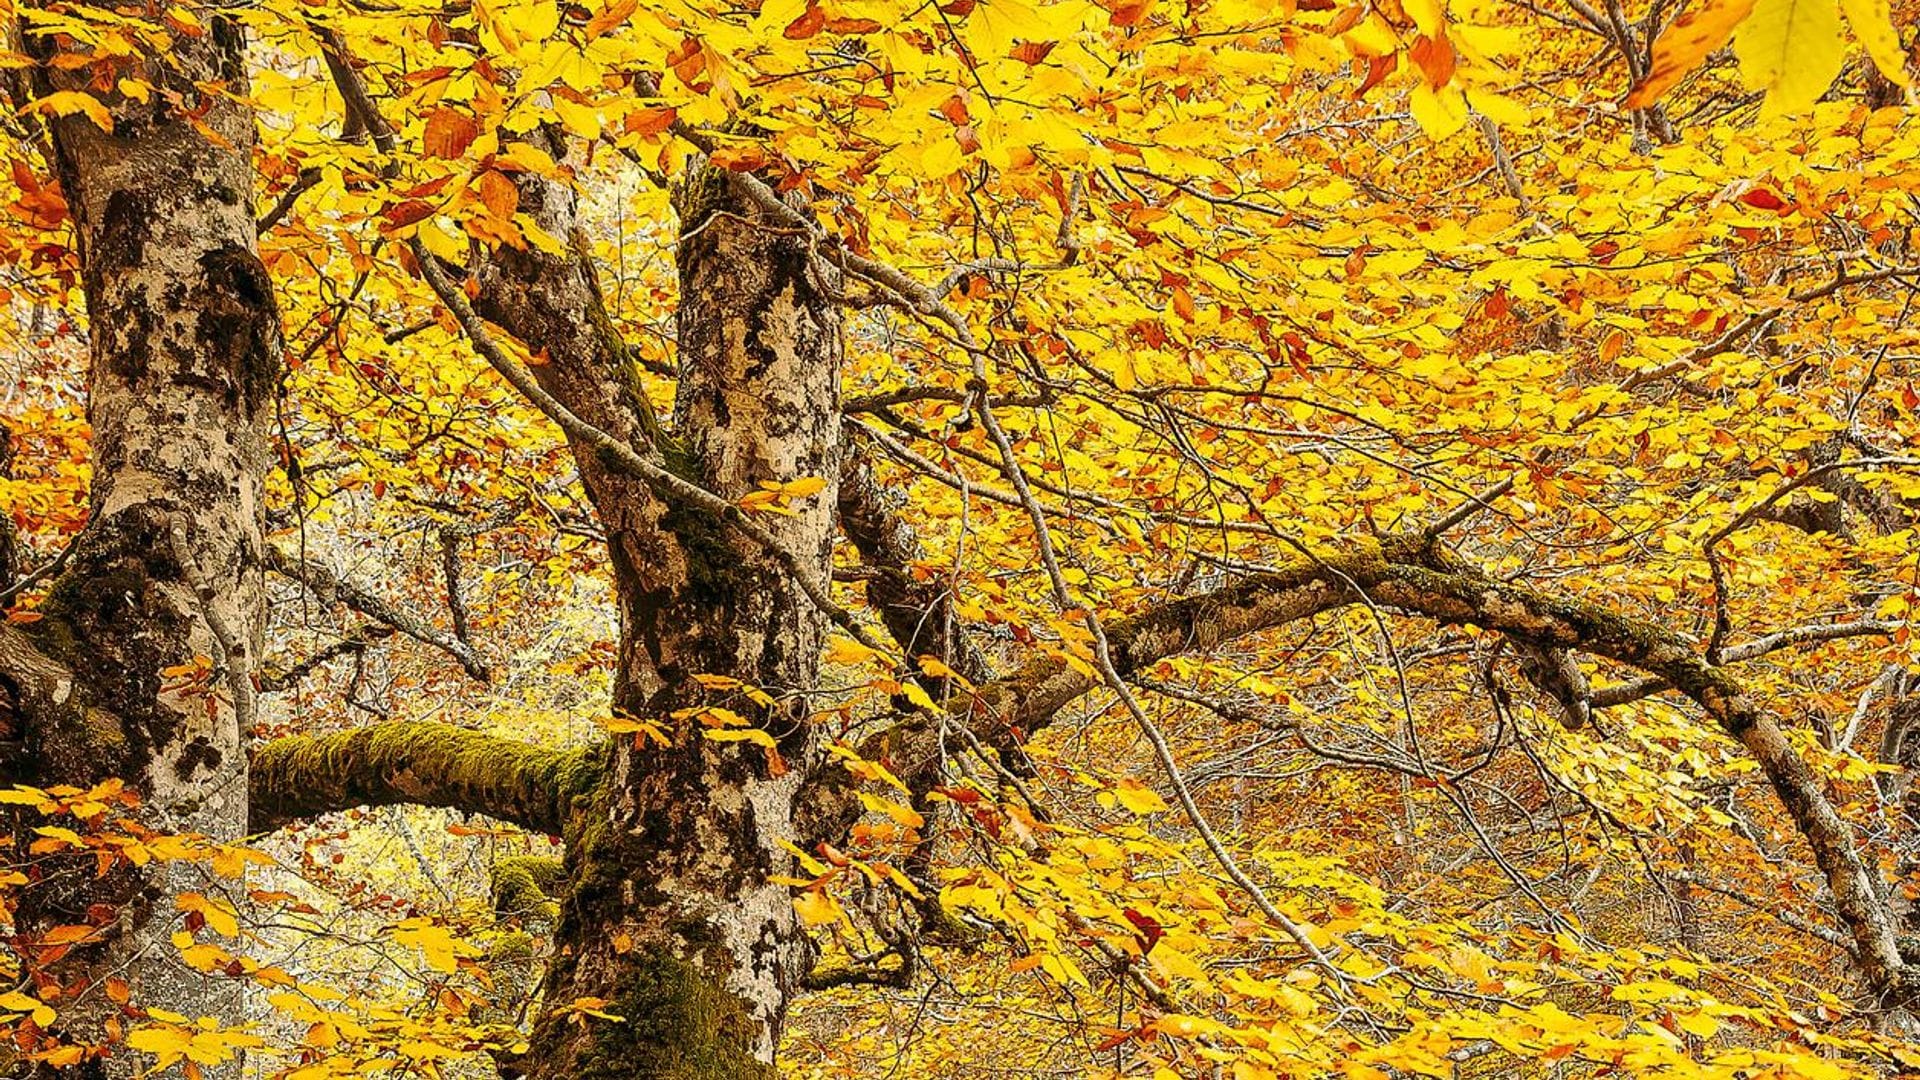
[449, 133]
[1434, 55]
[499, 194]
[807, 25]
[1685, 44]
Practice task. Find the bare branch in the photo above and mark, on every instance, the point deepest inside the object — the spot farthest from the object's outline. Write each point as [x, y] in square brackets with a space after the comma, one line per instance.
[325, 582]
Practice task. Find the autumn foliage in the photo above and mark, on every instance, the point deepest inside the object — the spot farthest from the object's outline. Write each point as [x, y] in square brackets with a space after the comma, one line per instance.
[1360, 540]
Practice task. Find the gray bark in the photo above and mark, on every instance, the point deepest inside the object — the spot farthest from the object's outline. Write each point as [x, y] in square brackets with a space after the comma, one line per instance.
[185, 358]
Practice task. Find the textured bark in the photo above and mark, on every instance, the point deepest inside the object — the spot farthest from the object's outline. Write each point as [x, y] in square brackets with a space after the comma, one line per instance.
[918, 614]
[185, 359]
[675, 858]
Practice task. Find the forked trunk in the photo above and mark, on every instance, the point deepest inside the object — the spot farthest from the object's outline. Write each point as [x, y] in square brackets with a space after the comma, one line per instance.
[674, 920]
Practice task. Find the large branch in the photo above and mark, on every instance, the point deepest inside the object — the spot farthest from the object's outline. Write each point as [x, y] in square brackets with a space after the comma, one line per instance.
[426, 764]
[1407, 575]
[1648, 685]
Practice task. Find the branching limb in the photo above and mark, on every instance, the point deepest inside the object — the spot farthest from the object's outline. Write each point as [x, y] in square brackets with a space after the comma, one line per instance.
[329, 584]
[1647, 685]
[272, 679]
[1406, 575]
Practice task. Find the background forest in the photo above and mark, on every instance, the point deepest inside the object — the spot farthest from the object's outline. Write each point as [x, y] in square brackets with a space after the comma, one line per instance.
[1114, 538]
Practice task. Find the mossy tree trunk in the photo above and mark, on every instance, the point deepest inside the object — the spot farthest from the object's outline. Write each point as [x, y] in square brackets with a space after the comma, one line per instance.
[185, 358]
[670, 911]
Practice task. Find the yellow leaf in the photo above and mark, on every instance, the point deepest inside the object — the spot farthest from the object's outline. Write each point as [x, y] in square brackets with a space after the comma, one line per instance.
[916, 694]
[1176, 964]
[1138, 797]
[219, 916]
[752, 735]
[43, 1014]
[816, 908]
[435, 943]
[848, 651]
[164, 1041]
[1428, 15]
[1442, 112]
[639, 729]
[1872, 23]
[905, 815]
[938, 669]
[1699, 1024]
[579, 119]
[1792, 49]
[68, 102]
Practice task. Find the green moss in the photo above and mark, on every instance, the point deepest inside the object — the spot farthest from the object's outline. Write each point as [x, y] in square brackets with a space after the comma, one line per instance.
[593, 869]
[423, 763]
[677, 1024]
[525, 887]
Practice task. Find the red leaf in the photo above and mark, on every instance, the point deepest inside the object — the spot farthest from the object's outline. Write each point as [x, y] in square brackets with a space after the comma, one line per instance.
[408, 212]
[1150, 929]
[1762, 199]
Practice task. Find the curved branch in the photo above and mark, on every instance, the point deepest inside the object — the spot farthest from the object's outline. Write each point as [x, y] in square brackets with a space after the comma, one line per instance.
[1407, 575]
[426, 764]
[1648, 685]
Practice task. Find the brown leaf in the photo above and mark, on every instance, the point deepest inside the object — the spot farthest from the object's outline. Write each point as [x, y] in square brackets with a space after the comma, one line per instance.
[1031, 52]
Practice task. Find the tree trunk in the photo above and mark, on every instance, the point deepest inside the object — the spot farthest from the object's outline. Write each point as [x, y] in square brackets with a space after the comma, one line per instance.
[672, 916]
[185, 359]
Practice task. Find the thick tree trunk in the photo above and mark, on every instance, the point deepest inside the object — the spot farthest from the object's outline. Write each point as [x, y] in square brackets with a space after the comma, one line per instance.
[186, 355]
[671, 914]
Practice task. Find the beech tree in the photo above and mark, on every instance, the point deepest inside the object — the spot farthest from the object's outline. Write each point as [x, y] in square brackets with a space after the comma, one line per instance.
[946, 402]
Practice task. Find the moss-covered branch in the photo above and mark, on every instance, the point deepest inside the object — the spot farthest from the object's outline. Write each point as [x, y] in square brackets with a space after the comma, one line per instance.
[422, 763]
[528, 887]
